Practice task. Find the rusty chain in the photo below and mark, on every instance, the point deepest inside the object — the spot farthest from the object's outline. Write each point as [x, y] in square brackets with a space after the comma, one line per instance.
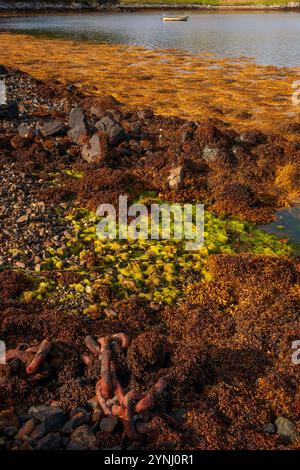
[32, 357]
[131, 407]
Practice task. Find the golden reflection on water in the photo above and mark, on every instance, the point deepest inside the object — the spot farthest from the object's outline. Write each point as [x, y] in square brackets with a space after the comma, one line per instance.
[236, 91]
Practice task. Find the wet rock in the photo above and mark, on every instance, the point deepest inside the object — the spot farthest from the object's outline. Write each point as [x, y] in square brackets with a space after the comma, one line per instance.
[82, 438]
[24, 130]
[96, 150]
[114, 131]
[52, 441]
[210, 154]
[176, 177]
[286, 429]
[53, 128]
[108, 424]
[51, 419]
[9, 111]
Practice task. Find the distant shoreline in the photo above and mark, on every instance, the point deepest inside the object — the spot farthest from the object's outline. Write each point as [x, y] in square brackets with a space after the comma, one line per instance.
[18, 8]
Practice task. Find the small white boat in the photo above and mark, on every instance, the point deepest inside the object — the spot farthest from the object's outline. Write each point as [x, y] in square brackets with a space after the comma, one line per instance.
[174, 18]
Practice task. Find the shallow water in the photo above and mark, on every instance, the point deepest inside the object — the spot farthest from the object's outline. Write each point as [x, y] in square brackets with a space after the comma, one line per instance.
[286, 226]
[271, 38]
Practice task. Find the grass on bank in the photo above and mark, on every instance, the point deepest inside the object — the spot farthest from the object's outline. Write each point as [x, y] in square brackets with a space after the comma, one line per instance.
[208, 2]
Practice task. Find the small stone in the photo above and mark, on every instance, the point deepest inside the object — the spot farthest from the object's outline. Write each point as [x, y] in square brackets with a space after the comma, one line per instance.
[175, 178]
[78, 124]
[53, 128]
[96, 150]
[20, 265]
[269, 428]
[286, 429]
[52, 441]
[110, 313]
[77, 118]
[154, 306]
[79, 418]
[3, 93]
[82, 438]
[108, 424]
[210, 154]
[114, 131]
[24, 130]
[51, 419]
[22, 219]
[251, 137]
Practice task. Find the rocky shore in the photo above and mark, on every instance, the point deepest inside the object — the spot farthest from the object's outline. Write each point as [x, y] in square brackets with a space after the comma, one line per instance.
[100, 353]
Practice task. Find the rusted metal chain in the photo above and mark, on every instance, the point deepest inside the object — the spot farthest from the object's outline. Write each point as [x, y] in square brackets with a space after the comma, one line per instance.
[32, 363]
[39, 357]
[131, 407]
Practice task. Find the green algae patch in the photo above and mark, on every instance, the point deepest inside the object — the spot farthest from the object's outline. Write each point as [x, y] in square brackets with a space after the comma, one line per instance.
[154, 270]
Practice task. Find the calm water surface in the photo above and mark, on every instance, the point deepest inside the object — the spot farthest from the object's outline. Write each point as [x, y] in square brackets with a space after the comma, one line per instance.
[287, 226]
[271, 38]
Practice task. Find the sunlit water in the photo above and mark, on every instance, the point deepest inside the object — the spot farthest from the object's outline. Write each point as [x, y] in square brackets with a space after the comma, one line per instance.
[287, 225]
[271, 38]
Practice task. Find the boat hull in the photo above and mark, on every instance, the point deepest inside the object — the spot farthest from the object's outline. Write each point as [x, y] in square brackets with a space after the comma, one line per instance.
[175, 18]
